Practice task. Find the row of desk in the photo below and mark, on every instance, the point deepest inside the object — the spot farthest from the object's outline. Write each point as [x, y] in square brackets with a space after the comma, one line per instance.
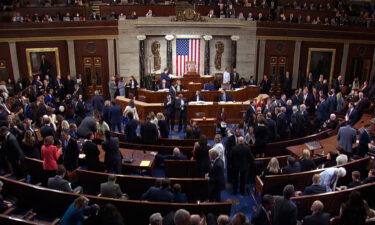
[240, 94]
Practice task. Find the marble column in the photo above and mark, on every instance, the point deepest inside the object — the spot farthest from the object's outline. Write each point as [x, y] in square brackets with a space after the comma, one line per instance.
[262, 53]
[234, 39]
[111, 57]
[169, 39]
[372, 73]
[207, 59]
[117, 56]
[297, 55]
[344, 60]
[72, 58]
[142, 53]
[14, 60]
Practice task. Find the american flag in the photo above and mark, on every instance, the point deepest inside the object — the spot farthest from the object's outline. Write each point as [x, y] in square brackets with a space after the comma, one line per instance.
[187, 50]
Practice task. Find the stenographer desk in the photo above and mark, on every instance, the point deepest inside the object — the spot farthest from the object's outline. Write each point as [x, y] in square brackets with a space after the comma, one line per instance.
[239, 94]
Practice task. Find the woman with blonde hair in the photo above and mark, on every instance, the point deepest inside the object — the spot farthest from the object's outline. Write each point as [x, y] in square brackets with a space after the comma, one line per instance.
[65, 125]
[306, 162]
[77, 211]
[273, 168]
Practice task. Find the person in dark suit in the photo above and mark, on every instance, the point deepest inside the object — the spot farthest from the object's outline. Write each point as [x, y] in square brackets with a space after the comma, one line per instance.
[361, 105]
[250, 114]
[179, 86]
[252, 81]
[315, 188]
[115, 112]
[265, 85]
[338, 84]
[356, 179]
[88, 125]
[285, 211]
[322, 111]
[165, 76]
[181, 106]
[79, 109]
[162, 194]
[240, 157]
[352, 114]
[346, 137]
[12, 152]
[198, 97]
[149, 132]
[59, 183]
[282, 124]
[231, 142]
[296, 120]
[271, 128]
[177, 155]
[370, 178]
[364, 140]
[169, 107]
[293, 166]
[173, 91]
[97, 101]
[308, 100]
[224, 96]
[47, 129]
[179, 197]
[69, 85]
[263, 214]
[317, 217]
[332, 101]
[196, 130]
[287, 84]
[201, 156]
[131, 128]
[331, 123]
[163, 125]
[306, 162]
[113, 157]
[216, 182]
[234, 78]
[70, 151]
[110, 189]
[209, 86]
[92, 153]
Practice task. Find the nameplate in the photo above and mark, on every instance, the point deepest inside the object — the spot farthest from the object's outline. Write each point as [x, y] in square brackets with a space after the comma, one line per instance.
[145, 163]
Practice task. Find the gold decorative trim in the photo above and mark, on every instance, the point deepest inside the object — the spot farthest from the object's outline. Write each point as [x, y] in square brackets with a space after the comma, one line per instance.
[283, 38]
[189, 36]
[333, 50]
[59, 38]
[58, 28]
[28, 59]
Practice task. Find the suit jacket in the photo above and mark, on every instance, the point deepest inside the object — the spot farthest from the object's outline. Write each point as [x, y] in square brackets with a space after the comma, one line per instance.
[163, 128]
[98, 102]
[364, 140]
[71, 153]
[271, 128]
[353, 116]
[240, 157]
[115, 112]
[315, 189]
[87, 125]
[47, 131]
[149, 133]
[131, 130]
[216, 175]
[164, 76]
[158, 195]
[112, 152]
[169, 108]
[317, 219]
[92, 155]
[12, 149]
[296, 168]
[227, 97]
[173, 92]
[58, 183]
[285, 212]
[110, 190]
[322, 111]
[260, 217]
[180, 198]
[281, 123]
[178, 104]
[332, 103]
[249, 115]
[346, 137]
[307, 164]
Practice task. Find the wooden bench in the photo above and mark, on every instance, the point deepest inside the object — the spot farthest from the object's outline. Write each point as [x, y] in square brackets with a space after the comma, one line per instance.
[275, 184]
[134, 186]
[54, 203]
[164, 141]
[260, 164]
[333, 200]
[181, 168]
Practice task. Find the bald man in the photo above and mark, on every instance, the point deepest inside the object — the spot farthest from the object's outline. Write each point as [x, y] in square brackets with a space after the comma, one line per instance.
[317, 217]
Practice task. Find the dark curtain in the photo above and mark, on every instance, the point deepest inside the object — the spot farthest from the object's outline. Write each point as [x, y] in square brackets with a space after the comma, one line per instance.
[207, 58]
[142, 62]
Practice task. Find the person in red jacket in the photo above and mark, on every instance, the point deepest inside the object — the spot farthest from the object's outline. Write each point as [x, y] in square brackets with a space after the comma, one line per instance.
[50, 155]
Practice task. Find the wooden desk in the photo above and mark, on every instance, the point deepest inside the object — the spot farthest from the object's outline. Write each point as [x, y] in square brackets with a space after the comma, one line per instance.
[137, 155]
[232, 109]
[207, 126]
[241, 94]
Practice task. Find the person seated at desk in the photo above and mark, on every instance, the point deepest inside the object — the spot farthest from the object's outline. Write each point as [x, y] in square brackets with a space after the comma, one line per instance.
[162, 194]
[306, 162]
[252, 81]
[210, 86]
[315, 188]
[224, 97]
[330, 160]
[179, 197]
[293, 166]
[273, 168]
[177, 155]
[370, 178]
[198, 97]
[110, 189]
[59, 183]
[331, 123]
[163, 85]
[221, 121]
[179, 86]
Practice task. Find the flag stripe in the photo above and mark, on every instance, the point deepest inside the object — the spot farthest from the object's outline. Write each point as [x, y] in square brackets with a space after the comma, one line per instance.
[187, 50]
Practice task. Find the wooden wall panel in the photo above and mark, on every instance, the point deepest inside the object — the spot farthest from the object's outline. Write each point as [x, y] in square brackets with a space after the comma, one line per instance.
[362, 51]
[63, 55]
[304, 55]
[279, 48]
[101, 51]
[5, 55]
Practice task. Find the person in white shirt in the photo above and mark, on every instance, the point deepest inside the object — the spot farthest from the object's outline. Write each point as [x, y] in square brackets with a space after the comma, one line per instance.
[226, 79]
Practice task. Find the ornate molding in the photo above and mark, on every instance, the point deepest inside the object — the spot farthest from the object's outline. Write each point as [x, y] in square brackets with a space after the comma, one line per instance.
[235, 37]
[207, 37]
[141, 37]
